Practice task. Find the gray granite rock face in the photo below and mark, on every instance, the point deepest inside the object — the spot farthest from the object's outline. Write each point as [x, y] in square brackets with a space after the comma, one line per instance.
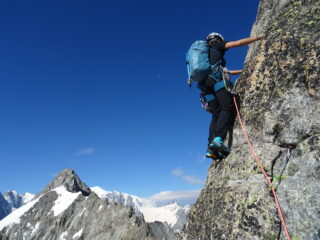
[88, 217]
[280, 106]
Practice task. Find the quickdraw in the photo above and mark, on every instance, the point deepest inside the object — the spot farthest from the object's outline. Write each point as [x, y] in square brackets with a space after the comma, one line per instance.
[285, 162]
[229, 86]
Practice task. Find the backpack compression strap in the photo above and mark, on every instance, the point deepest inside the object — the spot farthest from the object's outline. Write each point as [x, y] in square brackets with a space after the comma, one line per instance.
[189, 80]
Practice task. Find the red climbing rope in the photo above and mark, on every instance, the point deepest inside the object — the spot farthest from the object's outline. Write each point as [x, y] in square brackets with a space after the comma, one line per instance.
[263, 171]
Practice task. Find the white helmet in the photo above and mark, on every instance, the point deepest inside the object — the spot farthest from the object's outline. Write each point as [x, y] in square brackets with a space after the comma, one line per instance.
[214, 35]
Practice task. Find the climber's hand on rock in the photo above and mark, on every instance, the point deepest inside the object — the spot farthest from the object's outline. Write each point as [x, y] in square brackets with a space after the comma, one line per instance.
[259, 37]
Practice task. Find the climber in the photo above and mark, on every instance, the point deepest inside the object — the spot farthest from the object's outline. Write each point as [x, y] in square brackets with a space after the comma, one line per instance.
[219, 99]
[213, 105]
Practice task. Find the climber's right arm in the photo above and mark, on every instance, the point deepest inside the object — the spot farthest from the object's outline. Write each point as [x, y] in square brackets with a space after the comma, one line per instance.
[243, 42]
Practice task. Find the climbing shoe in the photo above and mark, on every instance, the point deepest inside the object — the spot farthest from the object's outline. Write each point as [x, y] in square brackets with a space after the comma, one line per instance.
[214, 155]
[217, 146]
[210, 154]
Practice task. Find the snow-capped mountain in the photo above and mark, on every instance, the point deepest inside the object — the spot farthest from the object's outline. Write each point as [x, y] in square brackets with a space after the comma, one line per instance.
[121, 198]
[5, 208]
[87, 213]
[172, 213]
[16, 200]
[11, 200]
[68, 209]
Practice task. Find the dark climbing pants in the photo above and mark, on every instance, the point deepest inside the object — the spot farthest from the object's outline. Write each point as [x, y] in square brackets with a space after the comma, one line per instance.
[223, 116]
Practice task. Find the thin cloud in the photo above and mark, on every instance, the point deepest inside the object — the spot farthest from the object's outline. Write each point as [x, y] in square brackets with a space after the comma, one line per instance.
[177, 172]
[192, 179]
[179, 196]
[85, 151]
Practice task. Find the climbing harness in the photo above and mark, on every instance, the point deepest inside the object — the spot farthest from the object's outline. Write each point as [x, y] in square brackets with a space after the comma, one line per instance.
[263, 171]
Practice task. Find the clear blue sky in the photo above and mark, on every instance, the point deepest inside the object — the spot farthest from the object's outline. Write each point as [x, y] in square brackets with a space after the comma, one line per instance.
[99, 86]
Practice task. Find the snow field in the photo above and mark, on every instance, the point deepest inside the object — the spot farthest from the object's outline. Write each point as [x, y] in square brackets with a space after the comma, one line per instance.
[14, 217]
[64, 200]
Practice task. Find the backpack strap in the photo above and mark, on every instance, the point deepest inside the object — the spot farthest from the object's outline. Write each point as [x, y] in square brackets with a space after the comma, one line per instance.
[209, 97]
[216, 71]
[218, 86]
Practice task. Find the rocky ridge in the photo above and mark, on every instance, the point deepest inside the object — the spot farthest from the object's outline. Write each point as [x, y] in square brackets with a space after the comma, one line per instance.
[68, 209]
[280, 106]
[172, 213]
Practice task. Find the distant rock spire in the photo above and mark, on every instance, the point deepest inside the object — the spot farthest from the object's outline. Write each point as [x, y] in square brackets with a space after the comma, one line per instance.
[70, 180]
[5, 208]
[14, 199]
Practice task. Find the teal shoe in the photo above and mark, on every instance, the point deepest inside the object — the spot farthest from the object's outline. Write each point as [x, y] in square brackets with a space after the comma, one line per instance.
[217, 145]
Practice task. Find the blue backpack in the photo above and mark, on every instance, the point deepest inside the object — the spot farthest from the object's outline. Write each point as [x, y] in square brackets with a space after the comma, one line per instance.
[198, 63]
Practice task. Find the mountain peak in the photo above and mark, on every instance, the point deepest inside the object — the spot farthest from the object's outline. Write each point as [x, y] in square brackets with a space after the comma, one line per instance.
[70, 180]
[72, 216]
